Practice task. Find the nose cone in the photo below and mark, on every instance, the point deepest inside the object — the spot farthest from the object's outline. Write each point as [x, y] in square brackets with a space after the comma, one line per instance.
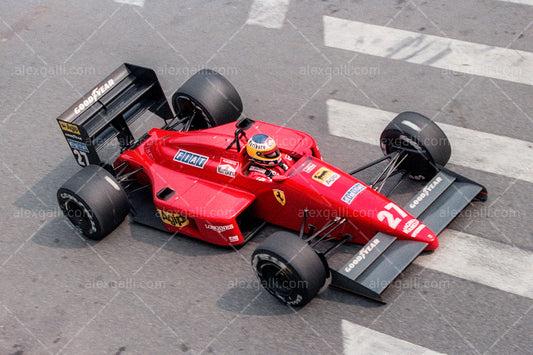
[415, 230]
[434, 244]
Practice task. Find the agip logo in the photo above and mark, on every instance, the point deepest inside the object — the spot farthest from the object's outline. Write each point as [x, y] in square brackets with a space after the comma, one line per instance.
[174, 219]
[69, 127]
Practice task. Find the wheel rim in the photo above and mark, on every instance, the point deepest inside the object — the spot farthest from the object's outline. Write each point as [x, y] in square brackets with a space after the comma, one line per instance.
[186, 106]
[277, 280]
[78, 214]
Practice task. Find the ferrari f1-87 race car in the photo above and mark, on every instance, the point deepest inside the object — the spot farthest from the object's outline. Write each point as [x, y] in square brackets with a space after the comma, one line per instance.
[191, 176]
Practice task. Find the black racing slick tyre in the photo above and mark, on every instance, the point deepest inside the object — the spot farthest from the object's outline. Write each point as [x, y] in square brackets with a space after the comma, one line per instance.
[212, 96]
[289, 268]
[94, 202]
[426, 144]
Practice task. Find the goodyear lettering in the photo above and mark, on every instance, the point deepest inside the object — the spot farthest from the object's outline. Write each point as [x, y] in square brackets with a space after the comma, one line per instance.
[361, 255]
[95, 95]
[191, 159]
[353, 192]
[70, 135]
[425, 192]
[174, 219]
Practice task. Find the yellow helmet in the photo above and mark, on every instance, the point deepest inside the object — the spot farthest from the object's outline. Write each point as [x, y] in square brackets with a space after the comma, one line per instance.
[262, 150]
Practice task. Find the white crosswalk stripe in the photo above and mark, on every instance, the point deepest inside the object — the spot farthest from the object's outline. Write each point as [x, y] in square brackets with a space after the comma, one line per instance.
[361, 340]
[523, 2]
[469, 147]
[139, 3]
[268, 13]
[490, 263]
[439, 52]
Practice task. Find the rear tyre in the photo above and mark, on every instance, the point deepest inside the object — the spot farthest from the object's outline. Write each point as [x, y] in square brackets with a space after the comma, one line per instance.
[211, 96]
[427, 145]
[289, 268]
[93, 201]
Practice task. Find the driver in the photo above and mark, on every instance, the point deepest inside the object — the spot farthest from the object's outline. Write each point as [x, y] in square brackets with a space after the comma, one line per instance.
[267, 161]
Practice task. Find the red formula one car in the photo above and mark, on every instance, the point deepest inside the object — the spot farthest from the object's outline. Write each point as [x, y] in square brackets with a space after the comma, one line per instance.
[192, 176]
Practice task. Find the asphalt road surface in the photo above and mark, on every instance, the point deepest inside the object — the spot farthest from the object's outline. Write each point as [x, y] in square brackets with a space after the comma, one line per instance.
[309, 65]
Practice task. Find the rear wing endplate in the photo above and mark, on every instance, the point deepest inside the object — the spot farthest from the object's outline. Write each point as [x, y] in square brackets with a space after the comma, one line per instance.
[109, 109]
[377, 264]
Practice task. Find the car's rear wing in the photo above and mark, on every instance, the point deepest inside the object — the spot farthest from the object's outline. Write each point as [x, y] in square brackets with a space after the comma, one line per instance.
[109, 109]
[370, 271]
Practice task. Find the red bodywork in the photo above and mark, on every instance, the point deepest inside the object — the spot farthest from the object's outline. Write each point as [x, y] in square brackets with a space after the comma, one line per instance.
[212, 188]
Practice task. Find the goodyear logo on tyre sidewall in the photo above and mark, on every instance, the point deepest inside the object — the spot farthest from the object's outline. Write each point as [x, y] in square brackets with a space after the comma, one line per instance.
[174, 219]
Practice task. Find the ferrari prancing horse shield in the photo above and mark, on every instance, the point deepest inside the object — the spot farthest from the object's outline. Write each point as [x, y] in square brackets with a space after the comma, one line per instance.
[280, 196]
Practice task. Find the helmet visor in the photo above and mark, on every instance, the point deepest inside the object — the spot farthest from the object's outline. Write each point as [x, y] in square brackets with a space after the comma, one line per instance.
[273, 155]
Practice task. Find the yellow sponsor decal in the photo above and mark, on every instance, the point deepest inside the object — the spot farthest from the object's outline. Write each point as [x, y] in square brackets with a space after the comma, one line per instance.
[325, 176]
[69, 127]
[174, 219]
[280, 196]
[322, 174]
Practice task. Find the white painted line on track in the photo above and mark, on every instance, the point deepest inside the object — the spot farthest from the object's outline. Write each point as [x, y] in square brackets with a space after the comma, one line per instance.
[478, 150]
[361, 340]
[440, 52]
[484, 261]
[268, 13]
[139, 3]
[523, 2]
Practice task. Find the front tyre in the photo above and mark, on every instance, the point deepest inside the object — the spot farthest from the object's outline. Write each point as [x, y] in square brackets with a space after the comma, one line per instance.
[289, 268]
[426, 144]
[94, 202]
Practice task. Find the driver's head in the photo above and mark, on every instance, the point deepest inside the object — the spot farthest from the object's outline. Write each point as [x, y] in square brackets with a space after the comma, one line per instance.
[262, 150]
